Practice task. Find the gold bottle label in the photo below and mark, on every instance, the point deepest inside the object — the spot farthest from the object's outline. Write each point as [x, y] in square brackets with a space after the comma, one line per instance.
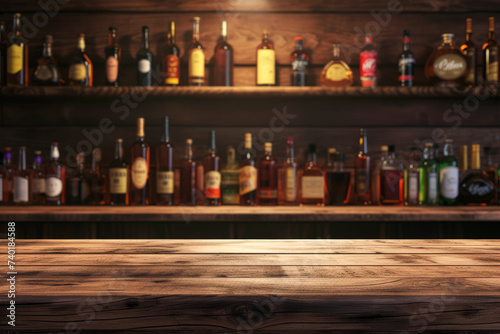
[39, 186]
[450, 66]
[492, 72]
[111, 69]
[212, 184]
[139, 173]
[336, 72]
[266, 67]
[14, 58]
[247, 179]
[118, 180]
[313, 187]
[77, 72]
[165, 182]
[291, 185]
[196, 63]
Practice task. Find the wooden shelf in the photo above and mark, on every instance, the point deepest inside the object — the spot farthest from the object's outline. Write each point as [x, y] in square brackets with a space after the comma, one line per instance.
[250, 214]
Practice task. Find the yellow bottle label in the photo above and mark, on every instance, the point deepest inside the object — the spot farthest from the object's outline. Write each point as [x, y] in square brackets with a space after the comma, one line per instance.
[14, 58]
[77, 72]
[290, 185]
[312, 187]
[139, 173]
[165, 182]
[248, 179]
[118, 180]
[266, 67]
[336, 72]
[196, 63]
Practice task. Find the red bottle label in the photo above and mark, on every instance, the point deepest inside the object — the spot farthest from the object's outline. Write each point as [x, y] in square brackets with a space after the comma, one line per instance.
[368, 63]
[173, 70]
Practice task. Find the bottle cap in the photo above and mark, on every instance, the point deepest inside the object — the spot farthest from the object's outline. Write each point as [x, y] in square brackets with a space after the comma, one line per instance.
[332, 150]
[384, 148]
[189, 141]
[298, 38]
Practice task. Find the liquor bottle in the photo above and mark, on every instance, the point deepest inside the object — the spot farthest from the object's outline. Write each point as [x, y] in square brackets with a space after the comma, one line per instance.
[268, 177]
[490, 54]
[336, 73]
[492, 172]
[411, 179]
[188, 176]
[171, 63]
[200, 185]
[288, 175]
[299, 59]
[81, 70]
[446, 65]
[55, 178]
[9, 171]
[118, 177]
[362, 194]
[3, 53]
[463, 161]
[375, 174]
[223, 59]
[477, 188]
[17, 55]
[338, 180]
[112, 54]
[406, 63]
[266, 62]
[78, 191]
[230, 173]
[311, 181]
[428, 177]
[368, 63]
[390, 180]
[248, 174]
[23, 180]
[448, 175]
[211, 169]
[196, 65]
[165, 168]
[97, 179]
[47, 72]
[139, 173]
[144, 60]
[469, 51]
[38, 188]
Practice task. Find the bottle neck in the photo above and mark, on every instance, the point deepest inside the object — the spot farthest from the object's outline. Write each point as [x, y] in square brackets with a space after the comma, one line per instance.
[223, 31]
[196, 31]
[491, 35]
[112, 39]
[95, 165]
[37, 164]
[448, 150]
[406, 43]
[145, 39]
[16, 27]
[189, 151]
[475, 162]
[22, 159]
[140, 129]
[363, 146]
[166, 133]
[7, 159]
[311, 158]
[468, 36]
[81, 44]
[119, 151]
[428, 153]
[47, 50]
[211, 145]
[54, 153]
[299, 46]
[290, 154]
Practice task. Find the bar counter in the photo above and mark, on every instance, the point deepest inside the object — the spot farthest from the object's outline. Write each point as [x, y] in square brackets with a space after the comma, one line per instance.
[292, 286]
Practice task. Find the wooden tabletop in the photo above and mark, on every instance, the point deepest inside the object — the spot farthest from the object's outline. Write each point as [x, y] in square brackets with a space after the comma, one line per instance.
[247, 285]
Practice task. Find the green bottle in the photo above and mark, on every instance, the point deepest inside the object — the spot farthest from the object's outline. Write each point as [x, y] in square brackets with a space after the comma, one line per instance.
[428, 177]
[448, 175]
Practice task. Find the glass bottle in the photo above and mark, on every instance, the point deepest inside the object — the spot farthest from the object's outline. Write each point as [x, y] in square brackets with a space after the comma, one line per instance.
[171, 64]
[248, 174]
[139, 171]
[196, 65]
[144, 60]
[429, 177]
[288, 175]
[338, 180]
[299, 59]
[9, 171]
[38, 188]
[112, 54]
[375, 174]
[311, 181]
[230, 173]
[97, 179]
[165, 168]
[490, 54]
[23, 180]
[55, 178]
[362, 191]
[118, 177]
[411, 179]
[463, 162]
[3, 53]
[336, 73]
[492, 172]
[446, 66]
[47, 72]
[477, 188]
[17, 55]
[268, 177]
[78, 184]
[81, 70]
[211, 169]
[188, 176]
[390, 180]
[448, 175]
[266, 62]
[223, 59]
[368, 63]
[469, 51]
[406, 64]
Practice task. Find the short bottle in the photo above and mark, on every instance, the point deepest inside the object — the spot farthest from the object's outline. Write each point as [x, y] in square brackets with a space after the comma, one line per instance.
[112, 54]
[47, 72]
[268, 177]
[223, 59]
[469, 51]
[406, 63]
[311, 181]
[38, 188]
[448, 175]
[338, 179]
[118, 177]
[139, 170]
[23, 181]
[212, 177]
[17, 55]
[490, 56]
[229, 174]
[362, 191]
[336, 73]
[165, 168]
[188, 176]
[299, 60]
[97, 179]
[368, 63]
[266, 62]
[390, 180]
[81, 70]
[78, 187]
[144, 61]
[429, 177]
[171, 66]
[411, 178]
[9, 171]
[196, 66]
[55, 178]
[477, 188]
[248, 174]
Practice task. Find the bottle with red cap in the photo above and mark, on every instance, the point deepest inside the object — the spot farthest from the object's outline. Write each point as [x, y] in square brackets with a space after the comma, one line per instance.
[368, 63]
[299, 60]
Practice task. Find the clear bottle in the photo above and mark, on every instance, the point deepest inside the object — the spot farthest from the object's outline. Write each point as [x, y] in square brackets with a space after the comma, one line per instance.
[248, 174]
[118, 177]
[196, 65]
[188, 176]
[139, 171]
[47, 72]
[9, 171]
[469, 51]
[266, 62]
[97, 179]
[368, 63]
[230, 173]
[165, 168]
[411, 179]
[55, 178]
[81, 70]
[448, 175]
[17, 55]
[38, 188]
[429, 177]
[78, 184]
[212, 176]
[299, 60]
[112, 54]
[477, 188]
[23, 181]
[490, 56]
[390, 180]
[311, 185]
[144, 60]
[268, 177]
[171, 66]
[362, 191]
[406, 64]
[336, 73]
[223, 59]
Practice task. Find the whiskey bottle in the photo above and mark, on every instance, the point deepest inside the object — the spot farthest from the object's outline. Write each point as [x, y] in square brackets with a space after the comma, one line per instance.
[338, 180]
[78, 185]
[368, 63]
[268, 177]
[171, 63]
[476, 188]
[362, 191]
[38, 188]
[411, 179]
[336, 73]
[490, 54]
[118, 177]
[23, 180]
[469, 51]
[212, 177]
[17, 55]
[223, 59]
[97, 179]
[139, 171]
[448, 176]
[47, 72]
[144, 60]
[165, 168]
[311, 181]
[406, 63]
[112, 54]
[81, 70]
[230, 173]
[9, 171]
[196, 65]
[429, 177]
[299, 60]
[391, 180]
[188, 176]
[266, 62]
[248, 174]
[3, 53]
[289, 175]
[55, 178]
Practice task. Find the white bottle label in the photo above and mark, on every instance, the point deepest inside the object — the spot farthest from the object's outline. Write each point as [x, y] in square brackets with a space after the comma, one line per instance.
[21, 189]
[144, 66]
[54, 186]
[313, 187]
[449, 182]
[432, 187]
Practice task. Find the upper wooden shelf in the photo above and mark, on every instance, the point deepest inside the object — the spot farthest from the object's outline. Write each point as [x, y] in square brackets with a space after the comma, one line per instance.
[248, 214]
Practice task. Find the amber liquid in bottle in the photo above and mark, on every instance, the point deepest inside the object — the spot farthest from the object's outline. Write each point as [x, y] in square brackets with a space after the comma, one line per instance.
[362, 191]
[171, 64]
[211, 168]
[248, 174]
[3, 53]
[223, 60]
[112, 55]
[17, 56]
[469, 51]
[188, 176]
[336, 73]
[47, 72]
[81, 70]
[266, 62]
[490, 53]
[268, 178]
[118, 177]
[165, 168]
[139, 171]
[55, 178]
[196, 65]
[311, 181]
[38, 188]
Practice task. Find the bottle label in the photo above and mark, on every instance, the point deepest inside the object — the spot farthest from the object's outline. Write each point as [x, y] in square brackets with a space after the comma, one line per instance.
[450, 66]
[449, 182]
[336, 72]
[144, 66]
[196, 63]
[165, 182]
[362, 181]
[230, 187]
[492, 72]
[268, 193]
[14, 58]
[39, 186]
[111, 69]
[406, 69]
[299, 65]
[212, 184]
[247, 179]
[313, 187]
[413, 188]
[266, 67]
[368, 63]
[139, 173]
[54, 186]
[77, 72]
[118, 180]
[173, 70]
[43, 73]
[1, 189]
[432, 182]
[480, 189]
[291, 184]
[21, 189]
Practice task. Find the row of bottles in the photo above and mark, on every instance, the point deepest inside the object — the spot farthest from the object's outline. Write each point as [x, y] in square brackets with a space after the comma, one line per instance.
[448, 65]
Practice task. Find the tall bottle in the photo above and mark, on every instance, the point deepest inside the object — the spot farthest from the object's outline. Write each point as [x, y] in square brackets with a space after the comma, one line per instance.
[406, 63]
[362, 191]
[391, 180]
[490, 56]
[336, 73]
[171, 65]
[139, 173]
[375, 173]
[211, 168]
[446, 66]
[3, 53]
[165, 168]
[47, 72]
[17, 55]
[188, 176]
[411, 179]
[78, 188]
[429, 177]
[144, 60]
[9, 171]
[112, 54]
[266, 62]
[248, 174]
[38, 188]
[338, 179]
[223, 59]
[368, 63]
[118, 177]
[55, 178]
[81, 70]
[23, 180]
[196, 66]
[311, 181]
[448, 175]
[491, 171]
[268, 177]
[469, 51]
[289, 178]
[97, 179]
[229, 174]
[477, 188]
[299, 59]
